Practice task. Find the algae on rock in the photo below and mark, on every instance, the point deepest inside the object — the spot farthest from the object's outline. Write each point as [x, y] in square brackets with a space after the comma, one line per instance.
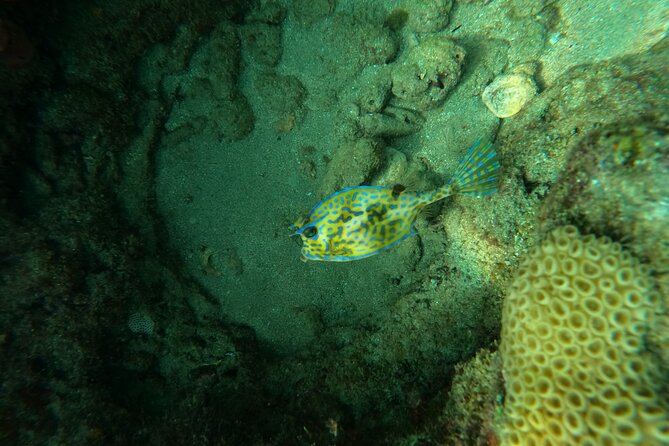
[423, 77]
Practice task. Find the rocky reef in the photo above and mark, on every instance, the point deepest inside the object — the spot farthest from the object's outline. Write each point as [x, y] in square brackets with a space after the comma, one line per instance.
[155, 155]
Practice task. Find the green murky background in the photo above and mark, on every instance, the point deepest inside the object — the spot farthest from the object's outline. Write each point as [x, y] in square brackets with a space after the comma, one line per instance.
[155, 154]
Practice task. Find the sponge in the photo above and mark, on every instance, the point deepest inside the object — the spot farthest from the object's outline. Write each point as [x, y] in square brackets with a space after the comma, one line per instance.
[575, 368]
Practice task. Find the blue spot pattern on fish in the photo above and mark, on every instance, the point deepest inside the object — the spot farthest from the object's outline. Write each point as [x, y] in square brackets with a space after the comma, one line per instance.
[361, 221]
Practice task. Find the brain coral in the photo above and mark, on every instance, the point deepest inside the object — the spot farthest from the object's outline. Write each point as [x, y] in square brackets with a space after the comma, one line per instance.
[575, 367]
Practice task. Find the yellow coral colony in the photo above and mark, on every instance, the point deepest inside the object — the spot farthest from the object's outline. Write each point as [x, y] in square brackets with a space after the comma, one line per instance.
[572, 348]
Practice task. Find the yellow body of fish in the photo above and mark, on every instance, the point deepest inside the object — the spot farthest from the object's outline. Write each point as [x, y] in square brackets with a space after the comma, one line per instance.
[361, 221]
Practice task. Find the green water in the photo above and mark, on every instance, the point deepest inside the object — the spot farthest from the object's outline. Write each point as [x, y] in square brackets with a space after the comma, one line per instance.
[154, 156]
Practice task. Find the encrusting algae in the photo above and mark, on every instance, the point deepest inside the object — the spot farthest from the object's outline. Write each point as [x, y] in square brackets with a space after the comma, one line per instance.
[361, 221]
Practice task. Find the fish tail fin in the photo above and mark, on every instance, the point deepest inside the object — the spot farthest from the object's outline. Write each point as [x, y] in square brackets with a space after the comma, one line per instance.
[477, 173]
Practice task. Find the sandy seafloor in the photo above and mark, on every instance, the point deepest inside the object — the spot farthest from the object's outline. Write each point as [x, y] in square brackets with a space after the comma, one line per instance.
[241, 196]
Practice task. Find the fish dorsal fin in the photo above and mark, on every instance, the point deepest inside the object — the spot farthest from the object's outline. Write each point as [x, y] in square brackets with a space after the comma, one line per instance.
[397, 190]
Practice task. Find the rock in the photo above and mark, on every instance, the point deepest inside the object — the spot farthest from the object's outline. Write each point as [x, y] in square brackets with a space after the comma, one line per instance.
[206, 96]
[371, 89]
[262, 43]
[428, 15]
[427, 73]
[309, 12]
[601, 30]
[284, 96]
[352, 163]
[508, 94]
[395, 166]
[271, 13]
[393, 122]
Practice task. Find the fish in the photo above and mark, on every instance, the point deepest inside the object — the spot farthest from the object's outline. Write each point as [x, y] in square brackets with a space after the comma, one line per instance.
[361, 221]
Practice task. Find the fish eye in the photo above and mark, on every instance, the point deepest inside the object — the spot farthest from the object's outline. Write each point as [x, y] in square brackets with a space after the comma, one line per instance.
[310, 232]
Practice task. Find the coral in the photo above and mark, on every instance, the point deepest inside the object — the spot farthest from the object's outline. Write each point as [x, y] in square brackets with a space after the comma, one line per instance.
[615, 182]
[141, 323]
[508, 94]
[552, 127]
[573, 329]
[425, 75]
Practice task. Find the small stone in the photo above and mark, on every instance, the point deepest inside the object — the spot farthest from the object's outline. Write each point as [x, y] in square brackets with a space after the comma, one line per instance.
[427, 16]
[425, 75]
[262, 43]
[395, 166]
[508, 94]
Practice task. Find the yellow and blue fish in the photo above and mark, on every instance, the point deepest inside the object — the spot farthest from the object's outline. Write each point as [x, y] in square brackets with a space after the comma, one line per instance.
[361, 221]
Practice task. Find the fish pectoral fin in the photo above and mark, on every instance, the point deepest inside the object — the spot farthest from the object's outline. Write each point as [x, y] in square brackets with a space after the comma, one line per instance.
[431, 210]
[341, 251]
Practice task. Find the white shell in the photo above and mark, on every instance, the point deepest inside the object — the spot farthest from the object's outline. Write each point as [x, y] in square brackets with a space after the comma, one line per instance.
[508, 93]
